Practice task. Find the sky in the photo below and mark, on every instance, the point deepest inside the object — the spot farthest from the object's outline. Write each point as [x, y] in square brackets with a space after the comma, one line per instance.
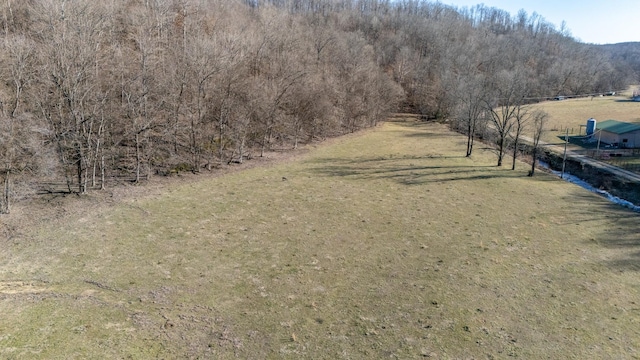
[589, 21]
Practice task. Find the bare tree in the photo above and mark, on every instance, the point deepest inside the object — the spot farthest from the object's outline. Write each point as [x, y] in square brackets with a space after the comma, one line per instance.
[141, 76]
[470, 110]
[18, 131]
[201, 62]
[522, 117]
[228, 94]
[355, 70]
[70, 100]
[507, 98]
[18, 147]
[275, 69]
[539, 122]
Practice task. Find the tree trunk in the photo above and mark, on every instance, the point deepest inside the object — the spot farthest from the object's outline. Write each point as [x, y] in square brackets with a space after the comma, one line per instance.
[80, 156]
[515, 153]
[501, 150]
[102, 165]
[266, 140]
[97, 152]
[533, 161]
[470, 135]
[241, 150]
[194, 146]
[138, 158]
[6, 206]
[221, 134]
[297, 135]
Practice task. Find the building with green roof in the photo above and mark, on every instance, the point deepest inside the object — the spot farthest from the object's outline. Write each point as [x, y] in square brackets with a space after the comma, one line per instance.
[620, 134]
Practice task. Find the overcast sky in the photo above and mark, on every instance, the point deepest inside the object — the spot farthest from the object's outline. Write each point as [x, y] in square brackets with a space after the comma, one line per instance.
[597, 22]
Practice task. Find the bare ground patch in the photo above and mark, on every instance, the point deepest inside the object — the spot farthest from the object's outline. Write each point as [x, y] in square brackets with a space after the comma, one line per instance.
[15, 287]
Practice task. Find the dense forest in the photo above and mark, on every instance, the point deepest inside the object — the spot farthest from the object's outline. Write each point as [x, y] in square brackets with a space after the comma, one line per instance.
[624, 56]
[97, 92]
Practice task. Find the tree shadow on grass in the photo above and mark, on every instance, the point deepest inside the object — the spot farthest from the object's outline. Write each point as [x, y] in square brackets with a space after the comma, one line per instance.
[622, 231]
[414, 124]
[409, 174]
[433, 134]
[428, 130]
[625, 236]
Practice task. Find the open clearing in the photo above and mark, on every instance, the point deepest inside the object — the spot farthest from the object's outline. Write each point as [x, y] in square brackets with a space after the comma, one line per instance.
[387, 244]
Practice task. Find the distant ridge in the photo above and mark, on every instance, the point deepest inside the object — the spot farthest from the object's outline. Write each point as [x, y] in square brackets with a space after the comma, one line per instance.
[625, 54]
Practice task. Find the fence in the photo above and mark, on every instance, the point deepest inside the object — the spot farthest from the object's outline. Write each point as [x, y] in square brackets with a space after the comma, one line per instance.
[632, 165]
[580, 130]
[607, 154]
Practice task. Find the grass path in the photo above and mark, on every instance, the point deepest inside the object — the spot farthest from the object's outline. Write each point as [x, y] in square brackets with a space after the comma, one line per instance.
[387, 244]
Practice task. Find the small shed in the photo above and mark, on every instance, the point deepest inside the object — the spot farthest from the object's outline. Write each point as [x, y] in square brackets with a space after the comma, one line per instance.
[619, 134]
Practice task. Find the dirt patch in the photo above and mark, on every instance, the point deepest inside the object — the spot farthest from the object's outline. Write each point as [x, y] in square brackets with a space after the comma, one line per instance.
[22, 287]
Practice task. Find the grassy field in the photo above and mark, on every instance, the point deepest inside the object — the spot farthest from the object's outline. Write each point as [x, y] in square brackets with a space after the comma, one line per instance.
[387, 244]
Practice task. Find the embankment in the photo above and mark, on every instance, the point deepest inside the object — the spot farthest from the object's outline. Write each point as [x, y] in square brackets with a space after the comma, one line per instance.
[597, 177]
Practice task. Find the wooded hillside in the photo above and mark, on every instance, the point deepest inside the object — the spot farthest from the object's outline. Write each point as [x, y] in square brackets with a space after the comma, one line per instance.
[96, 92]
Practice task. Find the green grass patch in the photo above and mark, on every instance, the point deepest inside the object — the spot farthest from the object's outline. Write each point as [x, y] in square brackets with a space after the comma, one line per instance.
[388, 244]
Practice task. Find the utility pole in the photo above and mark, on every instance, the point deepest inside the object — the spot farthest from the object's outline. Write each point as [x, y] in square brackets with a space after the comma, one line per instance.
[564, 157]
[598, 149]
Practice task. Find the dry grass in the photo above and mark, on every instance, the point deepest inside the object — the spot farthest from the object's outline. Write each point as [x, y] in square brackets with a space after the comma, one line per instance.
[383, 245]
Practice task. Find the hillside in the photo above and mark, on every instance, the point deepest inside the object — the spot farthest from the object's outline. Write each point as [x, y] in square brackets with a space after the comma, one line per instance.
[626, 56]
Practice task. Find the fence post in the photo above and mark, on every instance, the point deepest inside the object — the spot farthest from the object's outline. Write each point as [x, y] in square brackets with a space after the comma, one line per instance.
[564, 157]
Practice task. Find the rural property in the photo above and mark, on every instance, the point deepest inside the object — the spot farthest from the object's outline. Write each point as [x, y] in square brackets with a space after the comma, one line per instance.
[389, 243]
[226, 179]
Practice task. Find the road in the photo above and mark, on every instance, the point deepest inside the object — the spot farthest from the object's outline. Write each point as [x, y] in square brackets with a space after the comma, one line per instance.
[614, 170]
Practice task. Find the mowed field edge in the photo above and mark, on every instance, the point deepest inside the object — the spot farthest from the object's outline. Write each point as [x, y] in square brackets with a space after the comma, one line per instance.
[387, 244]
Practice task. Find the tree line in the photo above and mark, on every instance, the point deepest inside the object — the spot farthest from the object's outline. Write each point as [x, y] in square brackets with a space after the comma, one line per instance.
[99, 92]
